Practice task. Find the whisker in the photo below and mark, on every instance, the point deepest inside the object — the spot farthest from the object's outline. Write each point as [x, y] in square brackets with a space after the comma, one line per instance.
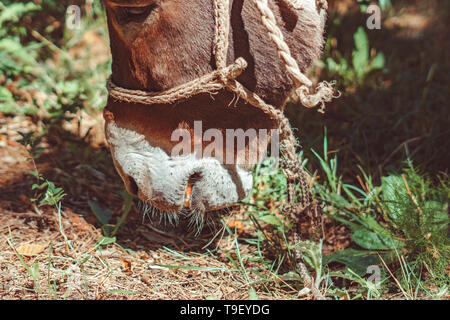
[196, 220]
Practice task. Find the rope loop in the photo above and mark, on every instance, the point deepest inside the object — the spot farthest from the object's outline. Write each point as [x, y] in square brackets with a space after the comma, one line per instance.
[210, 82]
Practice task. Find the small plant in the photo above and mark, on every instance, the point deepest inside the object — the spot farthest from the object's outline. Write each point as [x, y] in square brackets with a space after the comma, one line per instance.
[398, 227]
[104, 217]
[364, 61]
[405, 214]
[32, 144]
[33, 61]
[50, 194]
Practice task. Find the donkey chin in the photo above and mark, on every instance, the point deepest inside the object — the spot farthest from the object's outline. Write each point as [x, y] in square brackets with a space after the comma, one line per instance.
[173, 184]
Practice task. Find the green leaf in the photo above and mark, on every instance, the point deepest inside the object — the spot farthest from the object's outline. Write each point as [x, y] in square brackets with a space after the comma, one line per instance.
[312, 253]
[128, 202]
[378, 62]
[16, 50]
[103, 216]
[356, 260]
[384, 4]
[332, 65]
[437, 212]
[35, 174]
[290, 276]
[6, 95]
[15, 11]
[394, 194]
[104, 241]
[252, 294]
[270, 219]
[361, 53]
[374, 241]
[35, 271]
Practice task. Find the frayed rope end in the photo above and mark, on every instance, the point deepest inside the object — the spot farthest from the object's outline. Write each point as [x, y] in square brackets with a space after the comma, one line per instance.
[324, 92]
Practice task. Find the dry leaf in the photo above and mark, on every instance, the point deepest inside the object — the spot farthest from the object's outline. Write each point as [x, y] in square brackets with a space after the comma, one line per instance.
[80, 223]
[236, 224]
[31, 249]
[126, 265]
[146, 280]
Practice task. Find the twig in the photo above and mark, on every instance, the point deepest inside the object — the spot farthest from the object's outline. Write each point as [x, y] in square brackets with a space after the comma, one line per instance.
[393, 277]
[58, 207]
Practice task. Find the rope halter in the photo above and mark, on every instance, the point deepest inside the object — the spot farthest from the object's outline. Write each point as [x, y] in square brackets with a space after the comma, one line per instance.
[225, 76]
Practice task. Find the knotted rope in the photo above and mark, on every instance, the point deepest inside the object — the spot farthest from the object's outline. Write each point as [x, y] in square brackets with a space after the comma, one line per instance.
[225, 77]
[325, 91]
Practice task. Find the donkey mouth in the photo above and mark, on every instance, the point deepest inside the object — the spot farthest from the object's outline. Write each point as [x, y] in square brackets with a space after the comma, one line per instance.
[176, 183]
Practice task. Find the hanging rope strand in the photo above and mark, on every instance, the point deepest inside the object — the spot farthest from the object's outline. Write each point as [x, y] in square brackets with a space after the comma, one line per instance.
[222, 28]
[325, 91]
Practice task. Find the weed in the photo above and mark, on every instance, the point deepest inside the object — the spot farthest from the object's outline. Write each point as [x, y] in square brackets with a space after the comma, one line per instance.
[364, 62]
[104, 218]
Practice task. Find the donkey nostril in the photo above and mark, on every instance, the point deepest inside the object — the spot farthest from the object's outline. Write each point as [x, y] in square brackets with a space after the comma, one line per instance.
[194, 177]
[132, 186]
